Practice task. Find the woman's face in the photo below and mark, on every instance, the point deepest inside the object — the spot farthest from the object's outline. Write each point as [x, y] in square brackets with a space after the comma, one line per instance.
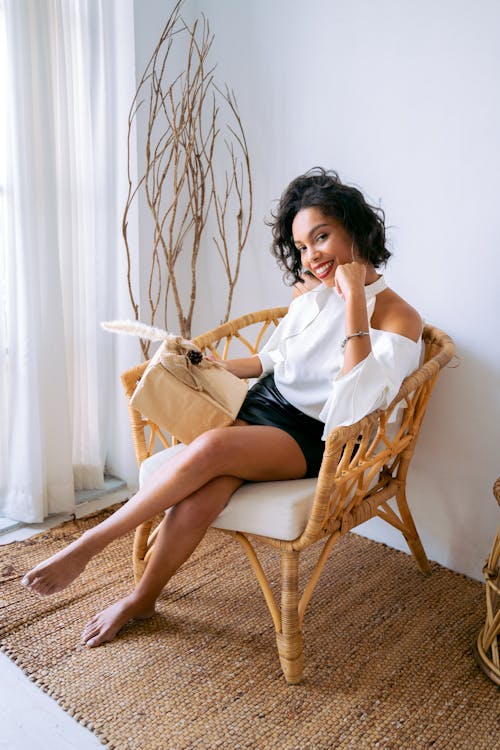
[323, 243]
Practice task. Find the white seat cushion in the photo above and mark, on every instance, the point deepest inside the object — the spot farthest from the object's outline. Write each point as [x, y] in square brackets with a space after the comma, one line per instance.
[276, 509]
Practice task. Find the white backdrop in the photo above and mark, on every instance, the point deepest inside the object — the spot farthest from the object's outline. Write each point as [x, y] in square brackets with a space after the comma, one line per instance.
[402, 99]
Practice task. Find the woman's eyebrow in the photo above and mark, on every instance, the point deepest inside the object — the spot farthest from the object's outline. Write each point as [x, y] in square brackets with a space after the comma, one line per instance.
[315, 229]
[311, 232]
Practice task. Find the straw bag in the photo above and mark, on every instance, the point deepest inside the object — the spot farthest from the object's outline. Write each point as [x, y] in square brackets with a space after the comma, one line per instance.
[185, 393]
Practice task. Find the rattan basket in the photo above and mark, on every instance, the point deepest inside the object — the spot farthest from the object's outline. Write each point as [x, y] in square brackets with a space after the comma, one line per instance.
[487, 646]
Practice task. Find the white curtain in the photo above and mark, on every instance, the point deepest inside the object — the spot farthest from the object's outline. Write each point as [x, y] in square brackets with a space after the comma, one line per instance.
[69, 80]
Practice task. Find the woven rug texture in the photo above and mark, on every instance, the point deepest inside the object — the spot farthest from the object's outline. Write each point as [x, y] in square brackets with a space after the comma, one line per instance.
[388, 661]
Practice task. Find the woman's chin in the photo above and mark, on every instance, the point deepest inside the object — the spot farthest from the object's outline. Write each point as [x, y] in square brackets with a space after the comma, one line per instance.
[328, 281]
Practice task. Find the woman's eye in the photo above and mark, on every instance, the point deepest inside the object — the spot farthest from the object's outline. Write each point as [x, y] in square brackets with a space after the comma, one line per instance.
[321, 237]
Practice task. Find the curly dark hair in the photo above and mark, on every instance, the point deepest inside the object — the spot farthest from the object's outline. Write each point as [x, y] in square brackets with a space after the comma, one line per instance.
[324, 190]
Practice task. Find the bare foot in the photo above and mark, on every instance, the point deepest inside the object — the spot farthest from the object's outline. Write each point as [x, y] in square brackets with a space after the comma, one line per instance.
[105, 625]
[60, 570]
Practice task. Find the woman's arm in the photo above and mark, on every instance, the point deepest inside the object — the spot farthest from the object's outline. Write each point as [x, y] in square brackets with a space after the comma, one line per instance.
[374, 382]
[245, 367]
[391, 314]
[350, 283]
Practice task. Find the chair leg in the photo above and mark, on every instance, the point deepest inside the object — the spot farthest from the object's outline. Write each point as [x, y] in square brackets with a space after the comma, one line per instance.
[289, 640]
[411, 533]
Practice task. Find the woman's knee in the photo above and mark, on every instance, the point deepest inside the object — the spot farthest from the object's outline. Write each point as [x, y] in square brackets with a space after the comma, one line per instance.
[211, 448]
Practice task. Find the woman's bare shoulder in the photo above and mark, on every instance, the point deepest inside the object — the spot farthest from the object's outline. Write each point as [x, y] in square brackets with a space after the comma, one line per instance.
[301, 287]
[392, 313]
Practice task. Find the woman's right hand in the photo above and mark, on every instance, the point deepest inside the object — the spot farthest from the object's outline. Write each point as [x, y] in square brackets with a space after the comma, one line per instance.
[245, 367]
[350, 279]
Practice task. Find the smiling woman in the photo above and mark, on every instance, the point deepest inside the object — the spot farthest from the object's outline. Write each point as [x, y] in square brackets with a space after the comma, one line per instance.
[342, 351]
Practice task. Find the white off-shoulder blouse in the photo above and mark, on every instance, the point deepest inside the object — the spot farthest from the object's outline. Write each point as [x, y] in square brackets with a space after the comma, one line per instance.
[306, 355]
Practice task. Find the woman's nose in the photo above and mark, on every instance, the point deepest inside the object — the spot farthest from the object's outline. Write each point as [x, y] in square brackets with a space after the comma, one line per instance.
[311, 254]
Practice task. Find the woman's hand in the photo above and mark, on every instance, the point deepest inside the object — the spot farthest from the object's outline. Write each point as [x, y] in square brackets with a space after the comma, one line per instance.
[246, 367]
[225, 363]
[350, 279]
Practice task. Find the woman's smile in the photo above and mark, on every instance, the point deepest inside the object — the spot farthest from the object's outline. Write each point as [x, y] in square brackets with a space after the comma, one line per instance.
[322, 271]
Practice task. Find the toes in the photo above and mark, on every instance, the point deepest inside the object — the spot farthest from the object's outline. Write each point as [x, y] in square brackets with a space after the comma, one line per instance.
[30, 580]
[48, 589]
[105, 625]
[42, 587]
[97, 635]
[92, 624]
[35, 582]
[90, 632]
[93, 642]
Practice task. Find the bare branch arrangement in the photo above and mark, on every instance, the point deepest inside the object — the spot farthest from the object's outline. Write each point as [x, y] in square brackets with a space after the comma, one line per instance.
[183, 176]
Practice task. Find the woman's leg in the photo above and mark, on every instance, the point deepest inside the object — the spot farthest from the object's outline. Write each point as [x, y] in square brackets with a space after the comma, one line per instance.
[180, 532]
[251, 453]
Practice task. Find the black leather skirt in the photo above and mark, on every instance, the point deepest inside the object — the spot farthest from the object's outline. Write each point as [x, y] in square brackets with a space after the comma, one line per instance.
[264, 405]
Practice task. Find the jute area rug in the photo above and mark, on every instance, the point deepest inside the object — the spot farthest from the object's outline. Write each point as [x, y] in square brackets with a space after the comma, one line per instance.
[388, 660]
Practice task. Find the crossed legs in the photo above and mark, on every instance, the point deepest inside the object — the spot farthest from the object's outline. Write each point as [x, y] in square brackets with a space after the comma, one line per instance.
[195, 484]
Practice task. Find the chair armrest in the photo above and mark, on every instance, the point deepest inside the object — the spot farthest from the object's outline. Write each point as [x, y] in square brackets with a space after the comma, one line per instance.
[233, 328]
[347, 470]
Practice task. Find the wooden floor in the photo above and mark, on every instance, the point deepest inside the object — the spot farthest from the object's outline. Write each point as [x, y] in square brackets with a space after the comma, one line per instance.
[30, 719]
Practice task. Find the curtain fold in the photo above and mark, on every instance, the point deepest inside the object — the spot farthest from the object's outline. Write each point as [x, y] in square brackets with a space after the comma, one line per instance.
[68, 79]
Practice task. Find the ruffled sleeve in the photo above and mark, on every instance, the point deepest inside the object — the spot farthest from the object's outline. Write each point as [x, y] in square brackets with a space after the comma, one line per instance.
[374, 382]
[301, 313]
[270, 354]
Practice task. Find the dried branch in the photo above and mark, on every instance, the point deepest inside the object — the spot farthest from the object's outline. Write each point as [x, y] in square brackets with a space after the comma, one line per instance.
[180, 184]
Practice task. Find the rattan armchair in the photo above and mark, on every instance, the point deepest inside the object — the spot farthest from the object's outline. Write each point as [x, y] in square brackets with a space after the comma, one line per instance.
[364, 466]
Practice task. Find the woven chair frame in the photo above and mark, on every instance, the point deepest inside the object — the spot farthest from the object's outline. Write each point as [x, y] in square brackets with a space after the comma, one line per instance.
[364, 466]
[487, 646]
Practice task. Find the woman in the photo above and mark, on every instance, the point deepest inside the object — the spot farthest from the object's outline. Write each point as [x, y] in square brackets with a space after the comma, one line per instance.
[341, 351]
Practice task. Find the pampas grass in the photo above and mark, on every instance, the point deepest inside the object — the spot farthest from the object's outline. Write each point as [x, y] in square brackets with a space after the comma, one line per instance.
[136, 328]
[150, 333]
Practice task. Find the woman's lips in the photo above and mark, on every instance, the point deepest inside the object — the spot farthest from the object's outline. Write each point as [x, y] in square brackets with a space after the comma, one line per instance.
[323, 270]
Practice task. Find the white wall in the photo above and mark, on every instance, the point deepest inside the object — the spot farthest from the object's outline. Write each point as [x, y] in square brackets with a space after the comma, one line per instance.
[402, 99]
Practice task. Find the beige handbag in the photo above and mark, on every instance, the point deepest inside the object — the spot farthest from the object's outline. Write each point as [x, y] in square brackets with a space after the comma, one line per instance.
[185, 393]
